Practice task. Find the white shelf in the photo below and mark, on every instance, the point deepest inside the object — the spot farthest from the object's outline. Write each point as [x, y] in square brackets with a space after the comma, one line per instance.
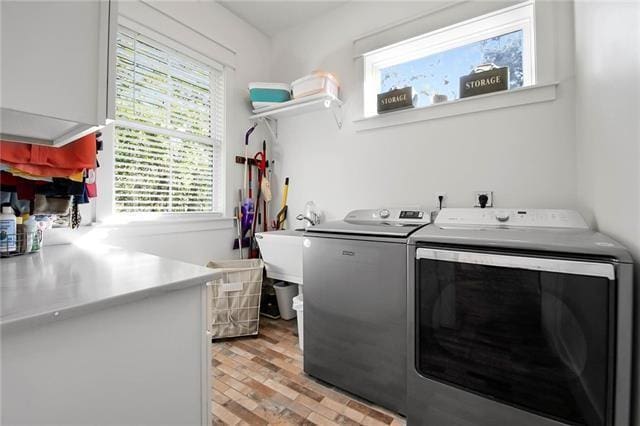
[270, 115]
[23, 127]
[297, 106]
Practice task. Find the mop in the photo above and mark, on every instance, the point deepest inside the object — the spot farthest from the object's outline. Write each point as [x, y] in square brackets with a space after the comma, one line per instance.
[247, 211]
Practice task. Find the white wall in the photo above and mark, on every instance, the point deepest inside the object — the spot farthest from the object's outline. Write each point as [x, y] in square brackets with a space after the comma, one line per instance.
[607, 37]
[608, 117]
[199, 241]
[526, 154]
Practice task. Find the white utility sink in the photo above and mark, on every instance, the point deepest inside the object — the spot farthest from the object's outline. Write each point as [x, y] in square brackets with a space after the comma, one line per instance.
[282, 254]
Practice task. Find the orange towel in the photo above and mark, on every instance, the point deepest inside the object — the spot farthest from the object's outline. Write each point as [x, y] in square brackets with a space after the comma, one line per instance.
[48, 161]
[45, 171]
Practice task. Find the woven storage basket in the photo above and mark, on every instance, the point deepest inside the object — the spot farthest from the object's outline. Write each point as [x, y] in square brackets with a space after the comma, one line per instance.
[234, 299]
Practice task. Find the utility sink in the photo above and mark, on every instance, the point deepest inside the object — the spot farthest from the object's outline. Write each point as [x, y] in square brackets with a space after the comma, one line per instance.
[282, 254]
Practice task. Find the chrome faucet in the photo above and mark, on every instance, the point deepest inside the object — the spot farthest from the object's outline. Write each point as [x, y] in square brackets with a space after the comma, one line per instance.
[311, 214]
[313, 220]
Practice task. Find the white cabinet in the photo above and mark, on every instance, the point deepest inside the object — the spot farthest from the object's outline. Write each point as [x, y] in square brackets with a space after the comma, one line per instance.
[57, 69]
[139, 363]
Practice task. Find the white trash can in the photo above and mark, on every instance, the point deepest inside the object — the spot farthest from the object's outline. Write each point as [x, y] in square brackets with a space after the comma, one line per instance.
[298, 306]
[285, 293]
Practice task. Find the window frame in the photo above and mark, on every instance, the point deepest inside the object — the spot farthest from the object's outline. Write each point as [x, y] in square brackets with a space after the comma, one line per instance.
[107, 213]
[517, 17]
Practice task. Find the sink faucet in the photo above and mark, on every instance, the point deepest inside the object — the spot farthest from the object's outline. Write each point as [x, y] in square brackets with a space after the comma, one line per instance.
[313, 220]
[310, 215]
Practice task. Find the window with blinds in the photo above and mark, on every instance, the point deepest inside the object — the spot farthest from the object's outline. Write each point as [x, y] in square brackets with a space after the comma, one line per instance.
[169, 129]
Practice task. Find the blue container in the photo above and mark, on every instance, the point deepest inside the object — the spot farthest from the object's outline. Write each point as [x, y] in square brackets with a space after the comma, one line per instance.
[269, 92]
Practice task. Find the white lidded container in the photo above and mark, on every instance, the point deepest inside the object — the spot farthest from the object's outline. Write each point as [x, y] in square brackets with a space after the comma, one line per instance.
[298, 305]
[7, 230]
[315, 83]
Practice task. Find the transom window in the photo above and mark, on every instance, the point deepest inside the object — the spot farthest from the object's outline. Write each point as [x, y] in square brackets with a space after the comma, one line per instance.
[169, 129]
[433, 63]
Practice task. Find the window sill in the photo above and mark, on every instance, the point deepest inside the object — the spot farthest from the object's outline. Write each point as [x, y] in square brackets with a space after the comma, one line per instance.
[491, 101]
[132, 225]
[135, 220]
[109, 230]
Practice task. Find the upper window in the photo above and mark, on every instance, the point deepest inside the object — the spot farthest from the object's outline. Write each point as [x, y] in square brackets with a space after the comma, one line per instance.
[433, 63]
[169, 129]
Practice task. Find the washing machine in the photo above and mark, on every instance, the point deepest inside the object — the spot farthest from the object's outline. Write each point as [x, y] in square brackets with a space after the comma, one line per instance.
[518, 317]
[355, 302]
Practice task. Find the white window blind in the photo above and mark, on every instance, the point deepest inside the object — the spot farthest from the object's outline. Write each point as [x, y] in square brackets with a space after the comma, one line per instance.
[169, 129]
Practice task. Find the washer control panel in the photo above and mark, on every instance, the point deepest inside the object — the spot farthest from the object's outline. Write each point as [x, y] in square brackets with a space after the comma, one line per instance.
[397, 215]
[411, 214]
[525, 218]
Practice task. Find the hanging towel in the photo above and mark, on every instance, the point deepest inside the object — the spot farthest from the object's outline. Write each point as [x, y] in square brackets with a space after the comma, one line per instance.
[48, 161]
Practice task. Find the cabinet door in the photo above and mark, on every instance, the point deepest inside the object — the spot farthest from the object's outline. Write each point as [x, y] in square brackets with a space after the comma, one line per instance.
[207, 356]
[55, 65]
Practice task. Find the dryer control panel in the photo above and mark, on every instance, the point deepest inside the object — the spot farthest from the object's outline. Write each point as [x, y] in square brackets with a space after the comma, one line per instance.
[512, 218]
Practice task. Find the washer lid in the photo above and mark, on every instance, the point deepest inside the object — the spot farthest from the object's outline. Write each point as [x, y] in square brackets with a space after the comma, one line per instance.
[382, 222]
[380, 228]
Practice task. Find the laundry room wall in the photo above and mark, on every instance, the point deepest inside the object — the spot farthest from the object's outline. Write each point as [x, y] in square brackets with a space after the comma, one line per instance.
[525, 154]
[608, 128]
[202, 240]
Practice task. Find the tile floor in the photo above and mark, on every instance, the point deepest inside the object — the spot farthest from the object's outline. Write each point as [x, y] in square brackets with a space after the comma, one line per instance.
[259, 381]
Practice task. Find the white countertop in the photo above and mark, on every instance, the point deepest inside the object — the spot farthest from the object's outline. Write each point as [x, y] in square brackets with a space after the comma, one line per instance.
[68, 280]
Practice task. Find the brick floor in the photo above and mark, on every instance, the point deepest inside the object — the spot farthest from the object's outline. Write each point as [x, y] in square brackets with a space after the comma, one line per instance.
[259, 381]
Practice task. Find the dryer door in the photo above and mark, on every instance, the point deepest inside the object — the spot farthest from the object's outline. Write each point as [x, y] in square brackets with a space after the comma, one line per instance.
[532, 332]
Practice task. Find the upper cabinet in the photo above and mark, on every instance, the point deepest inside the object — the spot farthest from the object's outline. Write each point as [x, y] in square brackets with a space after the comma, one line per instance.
[57, 69]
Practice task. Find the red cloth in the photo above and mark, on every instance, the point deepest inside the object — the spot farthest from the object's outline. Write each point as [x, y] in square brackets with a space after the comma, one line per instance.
[48, 161]
[25, 188]
[90, 184]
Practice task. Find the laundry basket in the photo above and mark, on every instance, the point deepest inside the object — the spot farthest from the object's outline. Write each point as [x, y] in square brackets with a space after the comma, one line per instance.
[234, 299]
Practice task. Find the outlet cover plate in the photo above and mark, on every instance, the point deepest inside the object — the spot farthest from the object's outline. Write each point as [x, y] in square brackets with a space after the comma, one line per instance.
[489, 195]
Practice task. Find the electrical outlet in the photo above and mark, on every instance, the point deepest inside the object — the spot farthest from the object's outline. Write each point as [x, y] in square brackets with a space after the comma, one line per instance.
[488, 194]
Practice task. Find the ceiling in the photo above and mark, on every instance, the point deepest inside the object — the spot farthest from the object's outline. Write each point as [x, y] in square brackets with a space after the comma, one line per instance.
[271, 17]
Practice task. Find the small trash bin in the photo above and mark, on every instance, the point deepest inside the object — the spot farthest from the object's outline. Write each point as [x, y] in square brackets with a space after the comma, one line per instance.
[233, 301]
[285, 292]
[298, 305]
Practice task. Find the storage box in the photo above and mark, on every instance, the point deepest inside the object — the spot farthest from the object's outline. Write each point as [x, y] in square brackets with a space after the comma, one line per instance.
[315, 83]
[269, 92]
[233, 301]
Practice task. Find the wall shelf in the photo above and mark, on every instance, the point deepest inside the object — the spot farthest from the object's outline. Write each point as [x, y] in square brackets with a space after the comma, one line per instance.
[270, 115]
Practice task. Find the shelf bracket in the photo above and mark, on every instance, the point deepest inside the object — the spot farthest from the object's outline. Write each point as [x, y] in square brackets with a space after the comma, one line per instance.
[336, 110]
[272, 126]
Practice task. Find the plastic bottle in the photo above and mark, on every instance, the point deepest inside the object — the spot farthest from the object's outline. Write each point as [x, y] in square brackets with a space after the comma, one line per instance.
[30, 227]
[7, 230]
[21, 240]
